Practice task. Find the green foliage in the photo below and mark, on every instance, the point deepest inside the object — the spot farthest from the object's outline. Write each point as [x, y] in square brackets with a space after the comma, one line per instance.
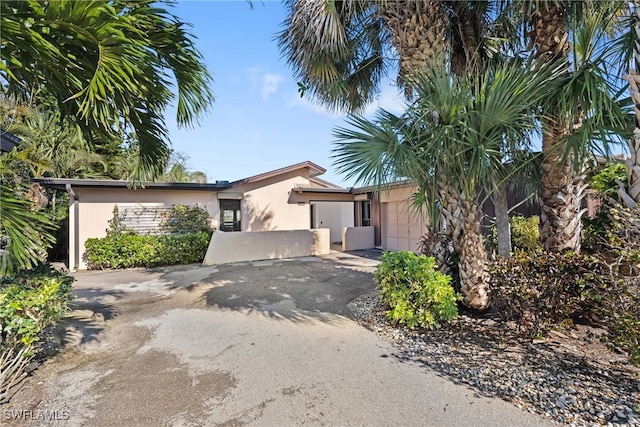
[604, 182]
[131, 250]
[417, 293]
[619, 308]
[548, 290]
[123, 248]
[108, 65]
[24, 233]
[29, 302]
[525, 233]
[116, 223]
[614, 234]
[545, 289]
[187, 219]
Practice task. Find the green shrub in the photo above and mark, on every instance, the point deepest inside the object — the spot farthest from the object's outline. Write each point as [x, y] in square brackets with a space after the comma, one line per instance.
[29, 302]
[544, 290]
[614, 234]
[131, 250]
[604, 182]
[619, 308]
[416, 292]
[525, 233]
[184, 219]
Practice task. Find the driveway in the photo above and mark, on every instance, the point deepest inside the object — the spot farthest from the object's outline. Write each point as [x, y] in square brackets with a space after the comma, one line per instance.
[263, 343]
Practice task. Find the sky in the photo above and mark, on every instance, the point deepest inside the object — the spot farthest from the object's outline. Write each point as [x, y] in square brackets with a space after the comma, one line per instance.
[258, 122]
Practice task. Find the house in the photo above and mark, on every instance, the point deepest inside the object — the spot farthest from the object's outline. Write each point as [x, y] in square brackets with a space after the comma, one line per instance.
[285, 199]
[257, 203]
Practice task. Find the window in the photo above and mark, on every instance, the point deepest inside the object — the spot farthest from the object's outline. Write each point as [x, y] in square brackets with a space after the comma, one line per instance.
[230, 215]
[365, 213]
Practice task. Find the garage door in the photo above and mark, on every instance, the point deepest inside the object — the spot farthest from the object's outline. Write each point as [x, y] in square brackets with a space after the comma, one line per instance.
[401, 227]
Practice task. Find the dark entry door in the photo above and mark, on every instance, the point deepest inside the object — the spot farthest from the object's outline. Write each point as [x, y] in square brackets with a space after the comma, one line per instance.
[230, 215]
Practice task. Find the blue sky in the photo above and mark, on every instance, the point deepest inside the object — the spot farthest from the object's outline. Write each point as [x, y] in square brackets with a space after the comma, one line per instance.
[258, 122]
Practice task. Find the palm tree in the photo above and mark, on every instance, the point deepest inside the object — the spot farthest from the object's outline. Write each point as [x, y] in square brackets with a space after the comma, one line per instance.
[107, 65]
[451, 142]
[578, 112]
[631, 46]
[342, 50]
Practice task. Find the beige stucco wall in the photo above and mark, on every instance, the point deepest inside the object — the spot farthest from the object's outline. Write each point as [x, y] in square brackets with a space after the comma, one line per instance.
[95, 209]
[265, 204]
[356, 238]
[261, 245]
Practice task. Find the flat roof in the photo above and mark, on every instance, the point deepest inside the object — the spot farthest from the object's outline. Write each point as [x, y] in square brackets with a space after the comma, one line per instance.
[61, 184]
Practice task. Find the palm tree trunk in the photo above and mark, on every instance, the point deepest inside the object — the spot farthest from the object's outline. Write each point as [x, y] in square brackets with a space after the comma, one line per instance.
[418, 30]
[561, 194]
[503, 228]
[463, 216]
[633, 163]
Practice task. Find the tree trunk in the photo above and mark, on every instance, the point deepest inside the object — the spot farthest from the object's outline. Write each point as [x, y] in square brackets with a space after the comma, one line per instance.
[633, 162]
[561, 194]
[463, 217]
[503, 228]
[418, 30]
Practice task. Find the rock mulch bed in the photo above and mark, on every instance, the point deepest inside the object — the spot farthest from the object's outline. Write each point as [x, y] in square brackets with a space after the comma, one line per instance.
[569, 377]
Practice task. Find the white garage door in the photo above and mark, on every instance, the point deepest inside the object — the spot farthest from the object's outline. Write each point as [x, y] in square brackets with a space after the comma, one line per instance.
[401, 227]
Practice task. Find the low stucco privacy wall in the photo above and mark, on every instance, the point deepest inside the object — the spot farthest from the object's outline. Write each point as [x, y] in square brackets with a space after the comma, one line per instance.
[258, 245]
[357, 238]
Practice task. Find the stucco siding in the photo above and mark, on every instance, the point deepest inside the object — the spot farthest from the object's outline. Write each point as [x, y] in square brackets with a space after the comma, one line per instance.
[265, 204]
[95, 209]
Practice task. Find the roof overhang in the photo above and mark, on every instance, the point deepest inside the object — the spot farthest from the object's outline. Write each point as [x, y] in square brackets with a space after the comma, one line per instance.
[61, 184]
[314, 170]
[314, 194]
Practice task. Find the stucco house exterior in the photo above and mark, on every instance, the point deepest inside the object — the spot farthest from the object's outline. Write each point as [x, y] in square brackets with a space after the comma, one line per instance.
[256, 203]
[289, 198]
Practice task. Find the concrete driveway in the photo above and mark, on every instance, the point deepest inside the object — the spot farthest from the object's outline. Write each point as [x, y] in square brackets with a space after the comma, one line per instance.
[263, 343]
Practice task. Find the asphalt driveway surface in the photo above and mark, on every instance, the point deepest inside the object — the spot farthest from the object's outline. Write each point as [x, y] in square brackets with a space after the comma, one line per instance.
[263, 343]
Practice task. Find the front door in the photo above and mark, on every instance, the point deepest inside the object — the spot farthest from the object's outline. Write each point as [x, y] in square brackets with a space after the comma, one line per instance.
[230, 215]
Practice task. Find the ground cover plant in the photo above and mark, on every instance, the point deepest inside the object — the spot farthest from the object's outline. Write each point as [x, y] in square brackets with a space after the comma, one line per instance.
[29, 302]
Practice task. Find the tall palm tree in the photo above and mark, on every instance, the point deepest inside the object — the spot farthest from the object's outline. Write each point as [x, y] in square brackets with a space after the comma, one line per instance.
[571, 118]
[451, 142]
[342, 50]
[631, 194]
[106, 64]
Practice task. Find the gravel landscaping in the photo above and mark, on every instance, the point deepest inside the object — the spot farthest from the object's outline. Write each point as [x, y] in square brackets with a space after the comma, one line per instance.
[569, 377]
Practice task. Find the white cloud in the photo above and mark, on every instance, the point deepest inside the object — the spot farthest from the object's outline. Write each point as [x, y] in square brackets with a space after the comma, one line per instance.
[296, 101]
[270, 84]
